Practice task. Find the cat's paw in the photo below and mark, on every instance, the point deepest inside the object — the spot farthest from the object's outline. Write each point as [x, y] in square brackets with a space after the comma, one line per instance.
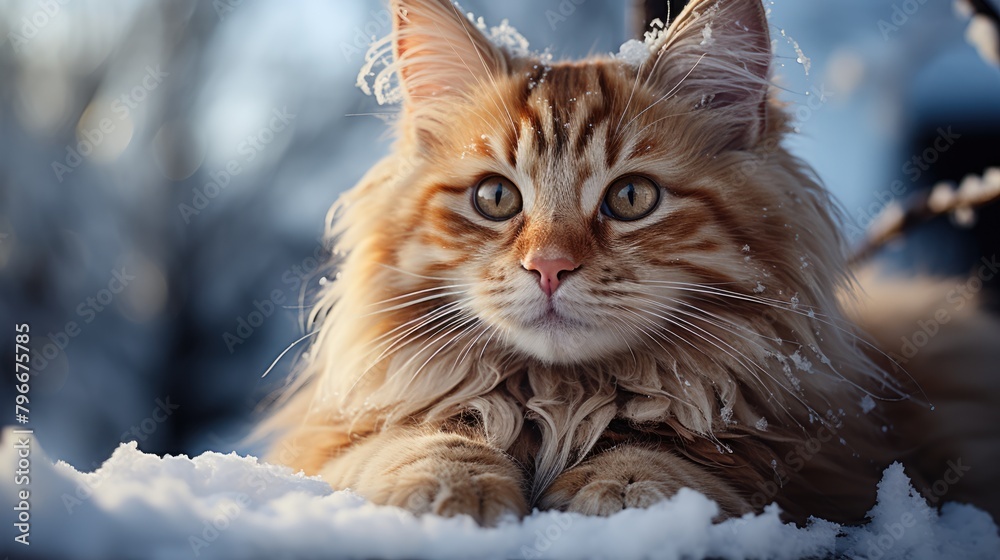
[591, 489]
[632, 477]
[456, 490]
[609, 496]
[454, 479]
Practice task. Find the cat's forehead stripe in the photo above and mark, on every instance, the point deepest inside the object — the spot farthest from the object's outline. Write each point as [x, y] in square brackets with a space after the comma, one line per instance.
[566, 109]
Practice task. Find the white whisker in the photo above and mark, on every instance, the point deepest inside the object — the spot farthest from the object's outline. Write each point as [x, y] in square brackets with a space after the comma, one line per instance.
[669, 93]
[285, 351]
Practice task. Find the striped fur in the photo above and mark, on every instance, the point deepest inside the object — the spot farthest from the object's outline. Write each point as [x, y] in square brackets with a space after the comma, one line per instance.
[708, 333]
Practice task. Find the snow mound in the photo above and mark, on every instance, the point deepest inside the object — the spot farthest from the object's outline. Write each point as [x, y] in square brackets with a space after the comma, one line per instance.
[138, 505]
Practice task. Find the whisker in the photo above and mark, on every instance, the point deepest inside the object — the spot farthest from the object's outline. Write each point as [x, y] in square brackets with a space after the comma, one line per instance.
[818, 317]
[621, 335]
[466, 321]
[719, 321]
[650, 125]
[409, 294]
[628, 104]
[414, 274]
[704, 335]
[482, 60]
[400, 340]
[838, 375]
[661, 333]
[670, 93]
[415, 302]
[713, 289]
[468, 347]
[285, 351]
[420, 319]
[405, 338]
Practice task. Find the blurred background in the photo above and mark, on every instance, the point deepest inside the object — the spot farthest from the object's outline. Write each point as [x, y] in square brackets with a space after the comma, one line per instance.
[166, 167]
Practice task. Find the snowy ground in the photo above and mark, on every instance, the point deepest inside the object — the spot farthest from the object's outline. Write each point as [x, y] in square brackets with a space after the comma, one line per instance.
[226, 506]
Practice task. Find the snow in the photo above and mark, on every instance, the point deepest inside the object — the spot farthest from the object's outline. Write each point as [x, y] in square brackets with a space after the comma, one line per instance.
[505, 36]
[801, 362]
[867, 404]
[228, 506]
[761, 424]
[983, 34]
[379, 77]
[706, 36]
[633, 52]
[800, 57]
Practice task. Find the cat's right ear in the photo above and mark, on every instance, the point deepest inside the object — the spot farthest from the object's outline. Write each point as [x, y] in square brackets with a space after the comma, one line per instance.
[440, 53]
[717, 55]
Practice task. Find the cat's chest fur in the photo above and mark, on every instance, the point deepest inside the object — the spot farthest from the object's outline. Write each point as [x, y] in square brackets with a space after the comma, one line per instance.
[550, 417]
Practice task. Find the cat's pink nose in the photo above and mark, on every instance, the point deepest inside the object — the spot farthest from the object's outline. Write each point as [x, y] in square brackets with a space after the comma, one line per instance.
[550, 270]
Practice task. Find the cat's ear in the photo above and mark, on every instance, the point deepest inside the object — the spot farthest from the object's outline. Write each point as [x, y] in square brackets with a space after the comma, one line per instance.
[717, 54]
[439, 52]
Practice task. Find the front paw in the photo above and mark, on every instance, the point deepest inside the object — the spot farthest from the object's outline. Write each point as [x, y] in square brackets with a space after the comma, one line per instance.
[606, 497]
[591, 491]
[633, 477]
[453, 477]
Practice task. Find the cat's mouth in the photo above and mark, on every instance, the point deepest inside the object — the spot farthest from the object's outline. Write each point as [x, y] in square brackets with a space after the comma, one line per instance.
[551, 318]
[555, 336]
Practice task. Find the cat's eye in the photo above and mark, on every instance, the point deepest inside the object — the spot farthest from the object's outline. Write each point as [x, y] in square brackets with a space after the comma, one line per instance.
[497, 198]
[630, 198]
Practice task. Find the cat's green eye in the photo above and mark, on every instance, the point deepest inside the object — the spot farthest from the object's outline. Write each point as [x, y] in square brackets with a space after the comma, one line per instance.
[497, 198]
[630, 198]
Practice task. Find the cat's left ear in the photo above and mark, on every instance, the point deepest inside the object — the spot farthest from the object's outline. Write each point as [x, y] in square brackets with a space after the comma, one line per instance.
[717, 55]
[439, 52]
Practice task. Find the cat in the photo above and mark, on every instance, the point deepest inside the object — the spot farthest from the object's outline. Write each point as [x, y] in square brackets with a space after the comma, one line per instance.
[585, 285]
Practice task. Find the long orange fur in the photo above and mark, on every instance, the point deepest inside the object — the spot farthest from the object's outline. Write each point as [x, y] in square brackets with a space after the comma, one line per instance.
[703, 346]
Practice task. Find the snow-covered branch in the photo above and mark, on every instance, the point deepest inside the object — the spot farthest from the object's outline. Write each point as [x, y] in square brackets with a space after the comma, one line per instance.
[944, 199]
[983, 31]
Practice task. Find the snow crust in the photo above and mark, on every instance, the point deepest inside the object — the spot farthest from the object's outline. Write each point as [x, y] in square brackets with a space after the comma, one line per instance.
[138, 505]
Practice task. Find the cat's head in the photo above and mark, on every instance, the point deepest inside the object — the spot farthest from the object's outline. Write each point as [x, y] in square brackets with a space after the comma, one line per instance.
[578, 210]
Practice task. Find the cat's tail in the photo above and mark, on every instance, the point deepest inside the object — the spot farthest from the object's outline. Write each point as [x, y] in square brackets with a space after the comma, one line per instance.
[946, 346]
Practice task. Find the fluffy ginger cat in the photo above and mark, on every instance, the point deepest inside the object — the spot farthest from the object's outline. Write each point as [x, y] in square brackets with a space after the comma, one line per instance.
[585, 285]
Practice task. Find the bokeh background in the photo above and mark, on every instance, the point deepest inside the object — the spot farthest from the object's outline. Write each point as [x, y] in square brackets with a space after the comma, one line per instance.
[166, 167]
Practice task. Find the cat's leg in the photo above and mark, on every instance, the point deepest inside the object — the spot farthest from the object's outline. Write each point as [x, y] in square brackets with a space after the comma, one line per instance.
[442, 473]
[629, 476]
